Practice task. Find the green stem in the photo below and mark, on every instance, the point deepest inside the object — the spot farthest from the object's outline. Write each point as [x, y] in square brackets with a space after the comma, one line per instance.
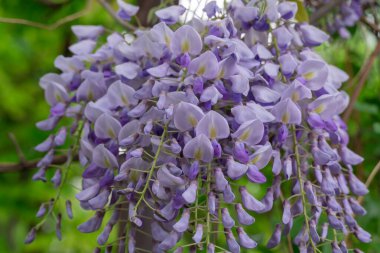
[197, 202]
[70, 158]
[208, 220]
[150, 175]
[302, 191]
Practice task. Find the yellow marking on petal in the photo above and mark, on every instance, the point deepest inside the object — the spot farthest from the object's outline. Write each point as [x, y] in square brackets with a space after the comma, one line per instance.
[167, 39]
[198, 154]
[201, 70]
[185, 47]
[124, 100]
[58, 97]
[256, 159]
[134, 175]
[309, 75]
[192, 120]
[111, 133]
[221, 74]
[320, 108]
[90, 95]
[285, 118]
[212, 132]
[107, 162]
[295, 96]
[245, 135]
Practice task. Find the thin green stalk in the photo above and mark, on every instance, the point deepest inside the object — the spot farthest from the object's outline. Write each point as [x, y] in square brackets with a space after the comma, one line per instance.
[150, 175]
[70, 159]
[197, 201]
[208, 220]
[302, 192]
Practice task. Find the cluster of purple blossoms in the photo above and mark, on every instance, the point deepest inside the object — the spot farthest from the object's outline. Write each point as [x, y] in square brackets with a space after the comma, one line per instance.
[346, 14]
[168, 121]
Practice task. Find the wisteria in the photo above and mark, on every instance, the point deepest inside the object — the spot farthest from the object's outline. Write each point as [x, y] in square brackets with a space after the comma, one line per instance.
[168, 122]
[339, 16]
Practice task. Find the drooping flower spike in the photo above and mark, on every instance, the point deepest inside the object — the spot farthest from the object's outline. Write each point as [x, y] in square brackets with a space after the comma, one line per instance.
[170, 122]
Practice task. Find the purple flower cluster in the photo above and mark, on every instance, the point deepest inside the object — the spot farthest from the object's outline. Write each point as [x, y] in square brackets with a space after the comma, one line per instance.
[346, 14]
[169, 121]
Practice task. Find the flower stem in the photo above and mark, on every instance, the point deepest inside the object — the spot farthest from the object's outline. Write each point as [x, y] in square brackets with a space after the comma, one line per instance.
[70, 158]
[208, 188]
[149, 177]
[302, 191]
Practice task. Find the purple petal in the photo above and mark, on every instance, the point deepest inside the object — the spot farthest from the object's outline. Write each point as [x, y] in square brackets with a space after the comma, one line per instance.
[312, 36]
[190, 193]
[87, 31]
[275, 238]
[170, 241]
[287, 9]
[220, 180]
[104, 158]
[199, 148]
[254, 175]
[171, 14]
[211, 8]
[233, 246]
[250, 132]
[314, 72]
[186, 40]
[126, 10]
[183, 223]
[243, 217]
[227, 220]
[244, 240]
[262, 156]
[287, 112]
[187, 116]
[198, 233]
[107, 127]
[92, 224]
[213, 125]
[235, 170]
[264, 94]
[88, 193]
[249, 201]
[128, 70]
[206, 65]
[329, 105]
[121, 94]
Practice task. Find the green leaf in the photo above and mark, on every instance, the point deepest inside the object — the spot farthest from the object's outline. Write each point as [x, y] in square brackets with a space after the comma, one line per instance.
[301, 15]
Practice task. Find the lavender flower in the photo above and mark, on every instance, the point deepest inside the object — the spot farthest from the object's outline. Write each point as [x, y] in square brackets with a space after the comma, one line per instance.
[171, 121]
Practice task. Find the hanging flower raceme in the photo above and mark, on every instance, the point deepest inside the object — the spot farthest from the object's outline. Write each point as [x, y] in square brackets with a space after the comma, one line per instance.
[171, 123]
[341, 16]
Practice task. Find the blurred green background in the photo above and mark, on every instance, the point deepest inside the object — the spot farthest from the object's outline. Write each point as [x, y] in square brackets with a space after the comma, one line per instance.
[27, 53]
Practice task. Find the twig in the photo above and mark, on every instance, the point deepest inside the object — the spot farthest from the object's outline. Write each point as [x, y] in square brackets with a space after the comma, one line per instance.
[363, 75]
[110, 10]
[19, 152]
[16, 167]
[370, 179]
[373, 27]
[53, 26]
[325, 9]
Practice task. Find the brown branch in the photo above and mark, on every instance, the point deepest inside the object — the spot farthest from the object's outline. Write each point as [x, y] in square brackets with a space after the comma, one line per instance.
[53, 26]
[111, 11]
[19, 152]
[16, 167]
[363, 75]
[371, 26]
[324, 10]
[145, 7]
